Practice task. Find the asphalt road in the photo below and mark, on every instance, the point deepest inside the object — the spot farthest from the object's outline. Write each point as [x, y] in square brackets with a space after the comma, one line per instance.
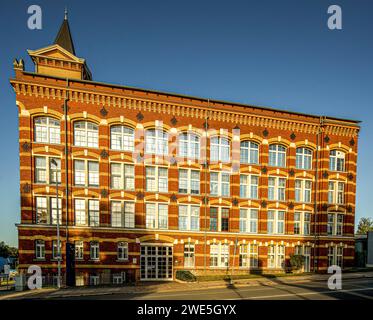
[352, 289]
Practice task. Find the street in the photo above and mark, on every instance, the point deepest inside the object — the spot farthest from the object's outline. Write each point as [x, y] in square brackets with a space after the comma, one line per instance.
[352, 289]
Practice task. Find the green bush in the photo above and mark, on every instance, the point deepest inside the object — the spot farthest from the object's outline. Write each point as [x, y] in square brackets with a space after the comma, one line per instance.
[296, 261]
[185, 275]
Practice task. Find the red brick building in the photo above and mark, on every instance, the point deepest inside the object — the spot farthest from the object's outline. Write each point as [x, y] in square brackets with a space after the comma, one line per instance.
[153, 182]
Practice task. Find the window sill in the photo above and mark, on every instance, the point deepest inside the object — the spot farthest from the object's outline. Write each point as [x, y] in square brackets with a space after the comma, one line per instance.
[94, 260]
[122, 260]
[40, 259]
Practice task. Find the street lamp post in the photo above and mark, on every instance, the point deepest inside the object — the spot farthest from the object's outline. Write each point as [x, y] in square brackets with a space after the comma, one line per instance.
[54, 162]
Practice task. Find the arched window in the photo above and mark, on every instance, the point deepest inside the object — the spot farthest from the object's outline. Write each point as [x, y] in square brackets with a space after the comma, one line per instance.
[337, 160]
[156, 142]
[189, 145]
[47, 130]
[122, 138]
[85, 134]
[219, 149]
[277, 155]
[249, 152]
[303, 158]
[122, 251]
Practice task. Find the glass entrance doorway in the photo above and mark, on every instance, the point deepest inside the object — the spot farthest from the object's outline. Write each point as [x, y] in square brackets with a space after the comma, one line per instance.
[156, 262]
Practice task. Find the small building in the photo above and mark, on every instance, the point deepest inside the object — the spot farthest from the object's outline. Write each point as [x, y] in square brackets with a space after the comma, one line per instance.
[364, 250]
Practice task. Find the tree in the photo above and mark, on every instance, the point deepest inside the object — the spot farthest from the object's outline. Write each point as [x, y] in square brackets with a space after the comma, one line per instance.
[7, 251]
[365, 225]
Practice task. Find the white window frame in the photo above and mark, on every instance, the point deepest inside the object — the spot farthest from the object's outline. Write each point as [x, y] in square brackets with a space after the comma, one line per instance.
[220, 183]
[304, 224]
[249, 256]
[188, 215]
[276, 221]
[94, 250]
[90, 215]
[126, 176]
[219, 218]
[248, 220]
[219, 146]
[251, 189]
[189, 255]
[335, 255]
[337, 160]
[188, 180]
[277, 150]
[249, 154]
[154, 222]
[157, 144]
[125, 218]
[191, 146]
[89, 174]
[48, 168]
[156, 178]
[302, 157]
[126, 139]
[276, 257]
[79, 250]
[122, 251]
[302, 192]
[39, 249]
[50, 208]
[47, 132]
[87, 136]
[278, 190]
[335, 194]
[221, 252]
[334, 224]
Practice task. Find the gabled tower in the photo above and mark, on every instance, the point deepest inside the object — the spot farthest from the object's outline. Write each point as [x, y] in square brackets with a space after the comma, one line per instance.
[59, 59]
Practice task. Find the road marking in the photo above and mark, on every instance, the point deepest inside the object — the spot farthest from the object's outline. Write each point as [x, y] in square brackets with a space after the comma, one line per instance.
[305, 294]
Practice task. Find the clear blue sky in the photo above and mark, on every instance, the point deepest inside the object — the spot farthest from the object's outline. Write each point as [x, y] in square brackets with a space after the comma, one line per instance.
[273, 53]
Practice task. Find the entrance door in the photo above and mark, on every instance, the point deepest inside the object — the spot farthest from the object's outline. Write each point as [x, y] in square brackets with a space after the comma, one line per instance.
[156, 262]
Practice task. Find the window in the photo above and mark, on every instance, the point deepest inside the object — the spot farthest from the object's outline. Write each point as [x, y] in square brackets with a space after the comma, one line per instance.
[122, 214]
[249, 186]
[189, 181]
[335, 224]
[219, 255]
[219, 219]
[276, 256]
[220, 184]
[275, 222]
[94, 213]
[85, 134]
[188, 255]
[156, 216]
[249, 152]
[189, 145]
[94, 250]
[156, 179]
[335, 256]
[55, 253]
[336, 192]
[39, 249]
[277, 155]
[122, 138]
[303, 189]
[86, 173]
[302, 223]
[219, 149]
[156, 142]
[248, 256]
[47, 130]
[337, 161]
[122, 251]
[80, 213]
[46, 210]
[276, 188]
[189, 217]
[303, 159]
[248, 220]
[79, 250]
[45, 170]
[122, 176]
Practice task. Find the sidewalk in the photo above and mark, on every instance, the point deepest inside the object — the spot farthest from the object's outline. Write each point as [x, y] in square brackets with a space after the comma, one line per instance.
[157, 287]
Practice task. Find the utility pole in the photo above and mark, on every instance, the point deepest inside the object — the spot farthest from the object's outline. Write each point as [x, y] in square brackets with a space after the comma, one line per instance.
[54, 162]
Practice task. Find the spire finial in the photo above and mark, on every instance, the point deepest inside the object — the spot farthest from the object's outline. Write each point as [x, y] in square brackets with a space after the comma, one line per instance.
[65, 13]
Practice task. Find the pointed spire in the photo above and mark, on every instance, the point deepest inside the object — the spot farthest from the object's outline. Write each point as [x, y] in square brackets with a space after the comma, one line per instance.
[64, 38]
